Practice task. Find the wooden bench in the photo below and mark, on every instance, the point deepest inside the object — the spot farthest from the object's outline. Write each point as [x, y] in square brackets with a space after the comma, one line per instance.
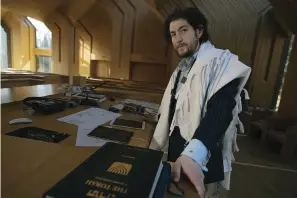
[283, 130]
[19, 79]
[257, 120]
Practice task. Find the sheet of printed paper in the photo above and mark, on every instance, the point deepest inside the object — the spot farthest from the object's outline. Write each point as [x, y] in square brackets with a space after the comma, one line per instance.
[90, 118]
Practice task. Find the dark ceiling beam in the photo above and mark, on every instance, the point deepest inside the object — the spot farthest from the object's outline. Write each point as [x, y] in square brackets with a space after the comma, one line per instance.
[280, 21]
[285, 11]
[152, 3]
[87, 31]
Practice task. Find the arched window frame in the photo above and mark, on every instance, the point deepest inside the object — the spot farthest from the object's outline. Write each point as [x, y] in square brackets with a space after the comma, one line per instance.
[8, 33]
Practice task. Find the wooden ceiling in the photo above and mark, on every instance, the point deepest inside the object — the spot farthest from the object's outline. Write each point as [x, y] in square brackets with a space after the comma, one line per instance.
[33, 8]
[286, 12]
[231, 11]
[41, 9]
[218, 10]
[236, 11]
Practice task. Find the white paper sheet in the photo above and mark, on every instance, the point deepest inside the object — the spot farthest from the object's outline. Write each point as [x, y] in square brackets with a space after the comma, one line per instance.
[143, 103]
[90, 118]
[82, 138]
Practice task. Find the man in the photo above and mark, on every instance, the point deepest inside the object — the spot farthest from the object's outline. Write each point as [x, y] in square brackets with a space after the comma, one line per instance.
[199, 109]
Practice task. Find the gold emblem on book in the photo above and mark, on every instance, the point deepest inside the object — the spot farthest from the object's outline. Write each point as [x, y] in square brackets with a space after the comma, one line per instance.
[120, 168]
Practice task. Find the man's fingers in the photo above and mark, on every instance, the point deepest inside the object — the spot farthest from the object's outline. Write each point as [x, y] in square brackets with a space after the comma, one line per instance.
[176, 171]
[196, 177]
[198, 183]
[201, 190]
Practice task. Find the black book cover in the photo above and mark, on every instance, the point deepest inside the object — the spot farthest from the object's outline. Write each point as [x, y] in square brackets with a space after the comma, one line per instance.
[114, 171]
[111, 134]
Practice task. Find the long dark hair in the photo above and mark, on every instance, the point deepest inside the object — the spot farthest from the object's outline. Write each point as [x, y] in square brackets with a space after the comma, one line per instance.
[194, 17]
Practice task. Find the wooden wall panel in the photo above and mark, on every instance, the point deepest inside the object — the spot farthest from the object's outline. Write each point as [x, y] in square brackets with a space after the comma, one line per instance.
[82, 33]
[129, 14]
[99, 23]
[121, 40]
[149, 45]
[287, 11]
[99, 68]
[146, 72]
[148, 38]
[267, 63]
[236, 37]
[25, 45]
[118, 32]
[76, 8]
[14, 25]
[22, 45]
[34, 8]
[68, 64]
[127, 38]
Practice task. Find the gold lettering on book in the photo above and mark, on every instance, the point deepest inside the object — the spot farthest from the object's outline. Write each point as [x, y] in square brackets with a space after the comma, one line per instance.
[111, 181]
[98, 194]
[120, 168]
[101, 185]
[119, 189]
[98, 184]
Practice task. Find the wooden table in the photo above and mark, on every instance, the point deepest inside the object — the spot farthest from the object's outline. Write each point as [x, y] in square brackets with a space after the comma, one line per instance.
[31, 167]
[19, 93]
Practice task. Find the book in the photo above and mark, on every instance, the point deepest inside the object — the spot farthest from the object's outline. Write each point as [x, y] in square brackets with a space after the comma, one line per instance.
[111, 134]
[40, 134]
[113, 171]
[134, 124]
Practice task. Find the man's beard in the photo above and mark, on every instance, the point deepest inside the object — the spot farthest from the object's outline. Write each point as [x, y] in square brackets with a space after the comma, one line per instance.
[187, 54]
[189, 51]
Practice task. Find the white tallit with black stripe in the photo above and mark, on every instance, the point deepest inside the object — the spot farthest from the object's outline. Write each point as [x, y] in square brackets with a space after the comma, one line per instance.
[213, 69]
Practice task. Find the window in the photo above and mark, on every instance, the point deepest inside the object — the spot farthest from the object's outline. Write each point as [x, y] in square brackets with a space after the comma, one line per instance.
[282, 74]
[43, 46]
[84, 58]
[84, 53]
[81, 50]
[43, 63]
[5, 47]
[43, 35]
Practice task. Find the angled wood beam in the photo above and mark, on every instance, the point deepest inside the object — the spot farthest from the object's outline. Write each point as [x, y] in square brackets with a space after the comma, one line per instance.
[87, 31]
[287, 11]
[77, 8]
[155, 11]
[152, 3]
[280, 21]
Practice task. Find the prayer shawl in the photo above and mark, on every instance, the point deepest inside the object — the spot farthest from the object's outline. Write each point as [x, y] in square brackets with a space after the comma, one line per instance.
[213, 69]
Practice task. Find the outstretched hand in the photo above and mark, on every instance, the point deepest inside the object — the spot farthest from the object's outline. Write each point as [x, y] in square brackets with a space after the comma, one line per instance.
[193, 171]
